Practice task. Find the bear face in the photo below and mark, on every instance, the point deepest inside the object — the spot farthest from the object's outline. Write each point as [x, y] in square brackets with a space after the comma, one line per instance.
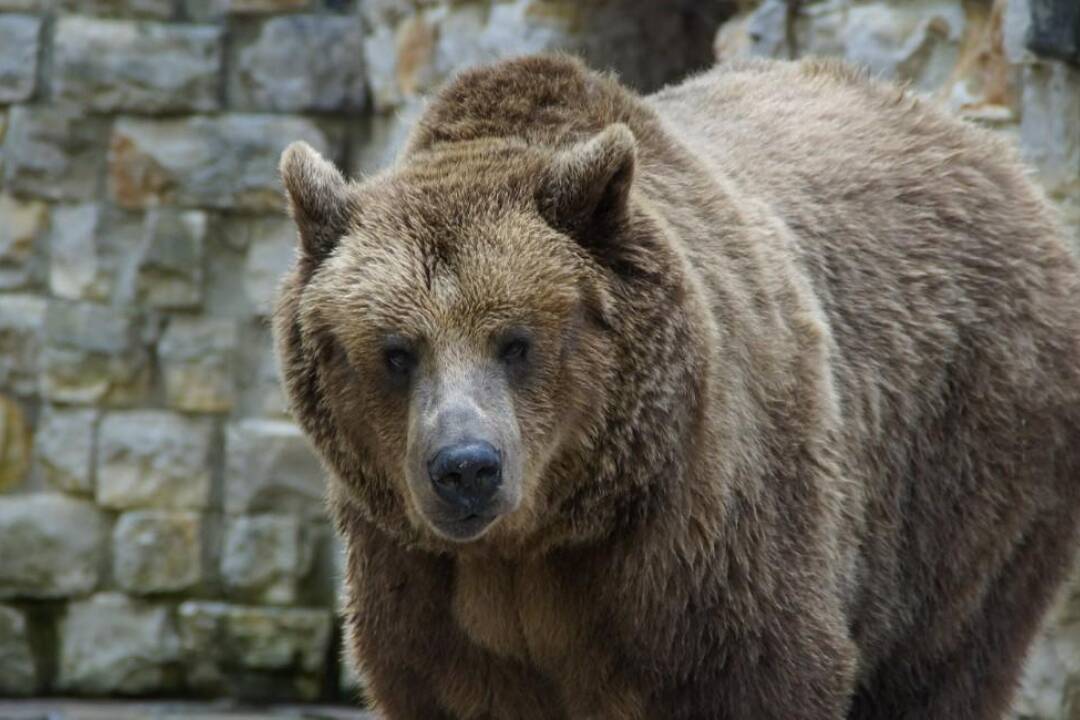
[452, 314]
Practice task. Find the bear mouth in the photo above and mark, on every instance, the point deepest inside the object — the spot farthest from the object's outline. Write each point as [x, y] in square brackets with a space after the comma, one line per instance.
[466, 528]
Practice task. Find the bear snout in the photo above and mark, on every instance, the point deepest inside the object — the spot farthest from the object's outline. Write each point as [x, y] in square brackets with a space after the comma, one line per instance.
[466, 476]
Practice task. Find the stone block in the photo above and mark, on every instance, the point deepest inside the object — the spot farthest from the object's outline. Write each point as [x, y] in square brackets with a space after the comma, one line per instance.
[170, 265]
[154, 459]
[54, 152]
[280, 638]
[198, 359]
[298, 63]
[21, 321]
[15, 443]
[53, 546]
[18, 674]
[93, 354]
[91, 248]
[226, 645]
[226, 162]
[20, 41]
[260, 387]
[226, 251]
[157, 551]
[145, 67]
[271, 252]
[110, 644]
[264, 558]
[269, 467]
[23, 225]
[1049, 139]
[64, 448]
[917, 43]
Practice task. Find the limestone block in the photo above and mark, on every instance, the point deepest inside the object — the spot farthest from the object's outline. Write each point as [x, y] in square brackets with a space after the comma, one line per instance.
[137, 66]
[53, 546]
[157, 551]
[20, 39]
[226, 161]
[154, 459]
[300, 63]
[269, 467]
[64, 448]
[110, 644]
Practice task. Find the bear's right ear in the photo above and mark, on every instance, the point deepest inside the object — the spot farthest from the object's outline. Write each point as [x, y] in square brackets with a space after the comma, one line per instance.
[586, 192]
[319, 198]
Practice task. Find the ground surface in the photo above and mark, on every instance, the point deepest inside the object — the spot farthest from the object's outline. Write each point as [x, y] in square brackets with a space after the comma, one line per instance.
[57, 709]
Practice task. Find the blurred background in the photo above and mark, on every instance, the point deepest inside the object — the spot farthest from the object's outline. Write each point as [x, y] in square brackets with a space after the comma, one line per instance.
[162, 531]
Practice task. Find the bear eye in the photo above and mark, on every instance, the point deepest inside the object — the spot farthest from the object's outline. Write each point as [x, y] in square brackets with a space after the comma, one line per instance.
[514, 350]
[399, 361]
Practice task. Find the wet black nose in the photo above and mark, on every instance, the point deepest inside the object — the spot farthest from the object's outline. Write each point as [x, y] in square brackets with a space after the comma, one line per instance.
[466, 474]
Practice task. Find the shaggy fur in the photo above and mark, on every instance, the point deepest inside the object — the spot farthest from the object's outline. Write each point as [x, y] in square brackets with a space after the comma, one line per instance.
[800, 435]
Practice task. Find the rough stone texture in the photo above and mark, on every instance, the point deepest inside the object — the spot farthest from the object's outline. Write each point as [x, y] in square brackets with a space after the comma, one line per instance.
[198, 363]
[14, 444]
[264, 557]
[271, 251]
[269, 466]
[156, 551]
[110, 644]
[1048, 135]
[153, 459]
[52, 545]
[93, 354]
[222, 641]
[260, 386]
[90, 247]
[147, 67]
[21, 320]
[20, 37]
[53, 152]
[64, 448]
[170, 262]
[300, 63]
[22, 236]
[18, 675]
[216, 162]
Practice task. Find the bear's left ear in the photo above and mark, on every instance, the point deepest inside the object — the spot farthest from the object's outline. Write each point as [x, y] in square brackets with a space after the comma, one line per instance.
[319, 199]
[587, 188]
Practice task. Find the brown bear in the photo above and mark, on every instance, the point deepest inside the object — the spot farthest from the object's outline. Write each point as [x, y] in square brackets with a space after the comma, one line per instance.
[757, 398]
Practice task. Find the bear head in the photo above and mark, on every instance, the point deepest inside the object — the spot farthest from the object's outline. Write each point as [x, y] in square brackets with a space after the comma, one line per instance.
[451, 333]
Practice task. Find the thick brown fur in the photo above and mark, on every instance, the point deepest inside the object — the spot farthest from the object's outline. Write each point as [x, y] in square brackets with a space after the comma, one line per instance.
[809, 446]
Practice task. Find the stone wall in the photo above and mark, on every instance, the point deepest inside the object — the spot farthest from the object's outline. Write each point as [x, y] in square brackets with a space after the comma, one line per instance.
[161, 521]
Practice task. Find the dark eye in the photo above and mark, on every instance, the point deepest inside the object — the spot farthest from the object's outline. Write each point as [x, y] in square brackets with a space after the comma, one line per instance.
[399, 361]
[514, 350]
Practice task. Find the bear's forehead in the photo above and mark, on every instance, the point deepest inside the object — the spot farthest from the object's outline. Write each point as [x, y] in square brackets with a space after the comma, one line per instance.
[475, 266]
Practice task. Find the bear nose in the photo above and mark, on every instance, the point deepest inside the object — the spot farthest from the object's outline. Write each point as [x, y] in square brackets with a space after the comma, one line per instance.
[467, 474]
